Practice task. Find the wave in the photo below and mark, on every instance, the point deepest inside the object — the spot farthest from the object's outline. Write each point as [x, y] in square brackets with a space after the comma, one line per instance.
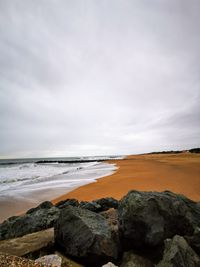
[34, 173]
[70, 160]
[16, 180]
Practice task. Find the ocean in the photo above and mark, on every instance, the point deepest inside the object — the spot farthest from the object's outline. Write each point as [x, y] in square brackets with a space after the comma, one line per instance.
[25, 183]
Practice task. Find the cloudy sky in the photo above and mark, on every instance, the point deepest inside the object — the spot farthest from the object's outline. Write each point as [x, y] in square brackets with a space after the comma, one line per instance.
[98, 77]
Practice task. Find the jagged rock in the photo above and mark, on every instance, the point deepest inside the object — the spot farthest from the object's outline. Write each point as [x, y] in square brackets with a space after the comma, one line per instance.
[178, 253]
[107, 203]
[9, 260]
[130, 259]
[109, 264]
[21, 246]
[53, 260]
[65, 203]
[92, 206]
[43, 205]
[86, 235]
[147, 218]
[194, 240]
[36, 220]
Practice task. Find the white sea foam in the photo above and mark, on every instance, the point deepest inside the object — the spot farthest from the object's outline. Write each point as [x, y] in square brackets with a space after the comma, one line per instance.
[26, 184]
[28, 177]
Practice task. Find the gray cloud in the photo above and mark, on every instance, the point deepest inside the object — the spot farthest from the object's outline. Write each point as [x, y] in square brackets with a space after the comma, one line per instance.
[98, 77]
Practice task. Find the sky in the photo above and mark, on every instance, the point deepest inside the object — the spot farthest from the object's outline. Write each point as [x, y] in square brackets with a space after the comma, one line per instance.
[98, 77]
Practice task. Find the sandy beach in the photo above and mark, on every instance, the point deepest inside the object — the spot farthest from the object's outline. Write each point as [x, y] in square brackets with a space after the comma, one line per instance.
[179, 173]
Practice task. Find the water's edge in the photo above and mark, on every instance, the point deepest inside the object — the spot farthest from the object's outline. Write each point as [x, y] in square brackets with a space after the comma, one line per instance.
[18, 200]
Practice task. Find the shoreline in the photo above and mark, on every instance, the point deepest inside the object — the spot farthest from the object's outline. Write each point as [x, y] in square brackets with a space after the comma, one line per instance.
[179, 173]
[19, 203]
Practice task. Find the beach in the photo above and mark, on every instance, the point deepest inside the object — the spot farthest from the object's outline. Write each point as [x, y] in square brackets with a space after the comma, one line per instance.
[114, 228]
[179, 173]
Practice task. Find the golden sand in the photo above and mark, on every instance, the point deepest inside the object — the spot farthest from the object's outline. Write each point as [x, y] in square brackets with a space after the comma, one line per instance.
[179, 173]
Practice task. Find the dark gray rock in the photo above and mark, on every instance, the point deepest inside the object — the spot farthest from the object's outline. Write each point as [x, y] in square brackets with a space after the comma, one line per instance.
[92, 206]
[65, 203]
[194, 240]
[99, 205]
[178, 253]
[148, 218]
[86, 235]
[43, 205]
[130, 259]
[107, 203]
[36, 220]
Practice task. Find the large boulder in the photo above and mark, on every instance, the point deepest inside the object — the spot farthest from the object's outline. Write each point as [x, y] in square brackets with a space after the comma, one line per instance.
[86, 235]
[178, 253]
[148, 218]
[36, 219]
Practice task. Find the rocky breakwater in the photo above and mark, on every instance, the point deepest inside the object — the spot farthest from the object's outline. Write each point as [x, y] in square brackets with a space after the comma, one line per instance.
[143, 229]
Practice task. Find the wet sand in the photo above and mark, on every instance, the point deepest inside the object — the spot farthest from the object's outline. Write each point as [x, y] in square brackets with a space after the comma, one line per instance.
[179, 173]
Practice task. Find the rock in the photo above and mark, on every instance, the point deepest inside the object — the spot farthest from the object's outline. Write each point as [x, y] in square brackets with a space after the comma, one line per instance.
[67, 262]
[9, 260]
[92, 206]
[43, 205]
[111, 216]
[130, 259]
[85, 235]
[21, 246]
[34, 221]
[65, 203]
[53, 260]
[194, 240]
[178, 253]
[107, 203]
[99, 205]
[148, 218]
[109, 264]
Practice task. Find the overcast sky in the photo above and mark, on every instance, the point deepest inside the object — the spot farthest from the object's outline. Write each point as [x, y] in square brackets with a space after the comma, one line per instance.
[98, 77]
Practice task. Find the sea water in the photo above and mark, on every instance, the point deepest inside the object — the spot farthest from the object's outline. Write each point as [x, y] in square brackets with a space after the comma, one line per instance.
[31, 181]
